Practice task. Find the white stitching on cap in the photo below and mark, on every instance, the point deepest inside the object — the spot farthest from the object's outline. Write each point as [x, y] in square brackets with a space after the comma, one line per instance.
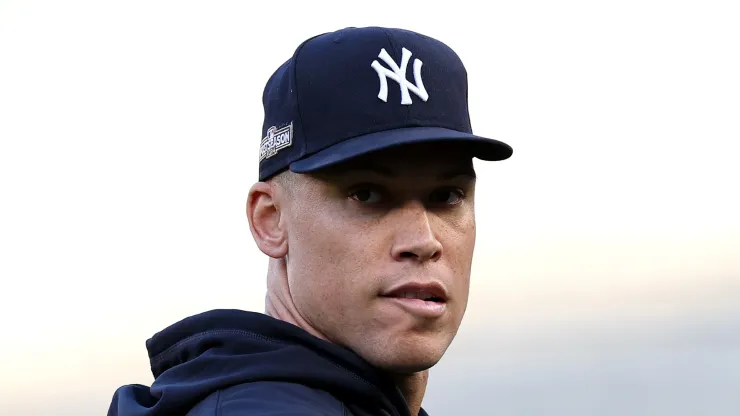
[276, 140]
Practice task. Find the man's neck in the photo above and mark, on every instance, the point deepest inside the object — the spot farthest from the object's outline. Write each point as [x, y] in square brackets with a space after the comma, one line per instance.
[413, 386]
[278, 303]
[279, 306]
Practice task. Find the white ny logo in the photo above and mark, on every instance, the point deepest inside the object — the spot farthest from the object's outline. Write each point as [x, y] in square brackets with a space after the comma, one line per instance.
[398, 74]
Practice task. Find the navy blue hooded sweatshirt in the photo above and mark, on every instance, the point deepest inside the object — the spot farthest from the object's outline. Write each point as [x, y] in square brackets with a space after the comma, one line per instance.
[232, 362]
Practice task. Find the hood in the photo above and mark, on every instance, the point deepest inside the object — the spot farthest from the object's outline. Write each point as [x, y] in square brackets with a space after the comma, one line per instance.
[221, 348]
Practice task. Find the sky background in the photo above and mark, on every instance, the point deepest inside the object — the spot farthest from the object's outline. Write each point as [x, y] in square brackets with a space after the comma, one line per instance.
[606, 278]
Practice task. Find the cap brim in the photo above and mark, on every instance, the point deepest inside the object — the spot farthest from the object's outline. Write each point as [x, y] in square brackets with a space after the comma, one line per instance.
[481, 147]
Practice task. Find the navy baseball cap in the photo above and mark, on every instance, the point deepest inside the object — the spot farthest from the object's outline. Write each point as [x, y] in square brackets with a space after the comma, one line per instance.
[355, 91]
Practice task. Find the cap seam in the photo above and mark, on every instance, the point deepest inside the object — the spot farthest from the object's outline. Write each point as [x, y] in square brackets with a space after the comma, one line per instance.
[297, 99]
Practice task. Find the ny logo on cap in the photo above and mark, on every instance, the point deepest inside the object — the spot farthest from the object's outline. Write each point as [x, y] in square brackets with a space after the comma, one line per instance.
[398, 74]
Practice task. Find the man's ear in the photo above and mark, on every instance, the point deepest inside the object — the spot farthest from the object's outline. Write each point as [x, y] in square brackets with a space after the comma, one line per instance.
[263, 212]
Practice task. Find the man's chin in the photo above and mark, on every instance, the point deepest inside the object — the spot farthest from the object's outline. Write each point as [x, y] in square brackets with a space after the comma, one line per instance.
[406, 365]
[409, 369]
[406, 354]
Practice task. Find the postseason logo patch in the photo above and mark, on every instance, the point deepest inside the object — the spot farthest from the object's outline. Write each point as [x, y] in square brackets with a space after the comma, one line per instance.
[276, 139]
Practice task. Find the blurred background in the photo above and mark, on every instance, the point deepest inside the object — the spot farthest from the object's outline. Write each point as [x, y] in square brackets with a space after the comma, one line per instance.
[607, 271]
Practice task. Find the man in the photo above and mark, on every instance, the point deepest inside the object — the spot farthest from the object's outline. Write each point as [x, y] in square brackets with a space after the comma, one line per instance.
[365, 207]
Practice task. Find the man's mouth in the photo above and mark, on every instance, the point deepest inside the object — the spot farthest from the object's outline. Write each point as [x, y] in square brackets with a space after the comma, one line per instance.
[425, 296]
[428, 291]
[428, 300]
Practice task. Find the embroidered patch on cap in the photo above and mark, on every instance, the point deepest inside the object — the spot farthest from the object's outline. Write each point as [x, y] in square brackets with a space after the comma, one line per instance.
[275, 140]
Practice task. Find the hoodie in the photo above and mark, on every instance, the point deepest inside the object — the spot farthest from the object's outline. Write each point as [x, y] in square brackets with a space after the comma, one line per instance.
[232, 362]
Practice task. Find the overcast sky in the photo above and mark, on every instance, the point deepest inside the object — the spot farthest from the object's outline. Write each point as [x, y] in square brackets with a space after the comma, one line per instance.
[607, 270]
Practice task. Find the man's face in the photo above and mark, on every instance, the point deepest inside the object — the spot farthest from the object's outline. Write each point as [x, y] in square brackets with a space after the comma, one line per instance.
[367, 239]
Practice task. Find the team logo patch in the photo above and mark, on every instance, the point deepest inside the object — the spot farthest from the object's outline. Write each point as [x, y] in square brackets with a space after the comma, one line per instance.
[398, 73]
[276, 139]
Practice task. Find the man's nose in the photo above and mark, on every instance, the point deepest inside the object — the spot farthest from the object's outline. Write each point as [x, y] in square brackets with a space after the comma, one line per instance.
[414, 237]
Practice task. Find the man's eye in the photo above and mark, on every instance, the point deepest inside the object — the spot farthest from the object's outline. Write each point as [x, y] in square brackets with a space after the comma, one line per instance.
[367, 196]
[447, 196]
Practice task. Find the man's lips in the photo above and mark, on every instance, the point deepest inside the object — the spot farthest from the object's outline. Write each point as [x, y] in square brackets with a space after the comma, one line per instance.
[426, 300]
[428, 291]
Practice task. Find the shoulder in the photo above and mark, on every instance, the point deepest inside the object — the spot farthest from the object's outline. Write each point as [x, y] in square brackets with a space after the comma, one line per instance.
[269, 398]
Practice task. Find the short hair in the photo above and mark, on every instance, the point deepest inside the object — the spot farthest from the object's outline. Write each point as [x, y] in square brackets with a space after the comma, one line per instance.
[285, 180]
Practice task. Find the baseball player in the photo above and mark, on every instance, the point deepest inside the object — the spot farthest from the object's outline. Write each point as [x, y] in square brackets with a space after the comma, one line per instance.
[365, 207]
